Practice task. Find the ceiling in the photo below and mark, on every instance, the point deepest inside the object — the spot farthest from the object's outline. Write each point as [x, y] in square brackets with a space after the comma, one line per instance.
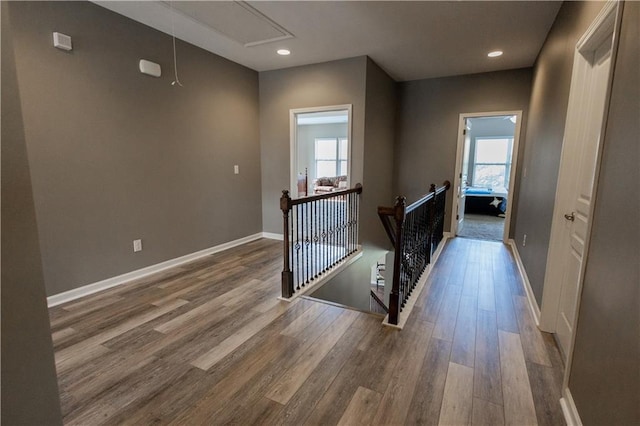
[408, 39]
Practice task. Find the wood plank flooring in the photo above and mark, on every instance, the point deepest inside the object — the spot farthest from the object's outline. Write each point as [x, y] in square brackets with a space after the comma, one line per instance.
[209, 343]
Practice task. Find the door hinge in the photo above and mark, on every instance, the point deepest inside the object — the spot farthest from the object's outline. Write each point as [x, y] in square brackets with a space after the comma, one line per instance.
[464, 131]
[457, 217]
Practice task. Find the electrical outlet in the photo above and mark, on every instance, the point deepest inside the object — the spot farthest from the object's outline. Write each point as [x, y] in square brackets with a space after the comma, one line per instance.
[524, 240]
[137, 245]
[236, 169]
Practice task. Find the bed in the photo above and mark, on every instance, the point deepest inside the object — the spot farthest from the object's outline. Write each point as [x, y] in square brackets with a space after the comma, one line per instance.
[485, 201]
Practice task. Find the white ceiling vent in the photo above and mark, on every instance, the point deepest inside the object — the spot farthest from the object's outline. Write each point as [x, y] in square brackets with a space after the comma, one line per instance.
[237, 20]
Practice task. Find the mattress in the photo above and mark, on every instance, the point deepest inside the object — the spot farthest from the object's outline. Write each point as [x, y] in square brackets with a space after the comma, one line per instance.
[486, 201]
[485, 192]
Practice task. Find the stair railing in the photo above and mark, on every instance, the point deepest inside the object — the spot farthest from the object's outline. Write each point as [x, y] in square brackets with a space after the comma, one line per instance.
[319, 232]
[415, 232]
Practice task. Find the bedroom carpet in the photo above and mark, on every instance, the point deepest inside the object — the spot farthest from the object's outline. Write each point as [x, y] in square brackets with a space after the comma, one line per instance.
[482, 227]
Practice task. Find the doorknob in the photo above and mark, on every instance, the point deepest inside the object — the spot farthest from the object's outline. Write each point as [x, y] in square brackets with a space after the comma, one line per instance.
[570, 216]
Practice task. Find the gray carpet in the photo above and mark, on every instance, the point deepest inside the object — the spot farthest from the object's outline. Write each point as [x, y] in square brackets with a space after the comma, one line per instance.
[481, 227]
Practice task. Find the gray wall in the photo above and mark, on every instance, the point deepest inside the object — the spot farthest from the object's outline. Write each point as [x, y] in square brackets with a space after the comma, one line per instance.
[352, 286]
[116, 155]
[544, 134]
[605, 372]
[331, 83]
[428, 118]
[29, 383]
[380, 127]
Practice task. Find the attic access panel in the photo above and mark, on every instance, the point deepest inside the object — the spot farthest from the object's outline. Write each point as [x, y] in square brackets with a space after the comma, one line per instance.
[237, 20]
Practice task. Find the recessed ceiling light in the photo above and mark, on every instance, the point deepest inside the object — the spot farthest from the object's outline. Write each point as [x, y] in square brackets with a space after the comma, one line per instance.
[283, 52]
[494, 54]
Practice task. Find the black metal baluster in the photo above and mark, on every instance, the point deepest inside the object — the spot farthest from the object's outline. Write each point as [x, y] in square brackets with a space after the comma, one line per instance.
[338, 226]
[317, 237]
[350, 223]
[345, 225]
[305, 257]
[333, 232]
[308, 242]
[314, 252]
[292, 226]
[339, 212]
[349, 226]
[326, 236]
[356, 201]
[297, 247]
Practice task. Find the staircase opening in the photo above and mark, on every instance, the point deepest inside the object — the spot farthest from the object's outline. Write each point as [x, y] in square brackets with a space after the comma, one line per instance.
[321, 240]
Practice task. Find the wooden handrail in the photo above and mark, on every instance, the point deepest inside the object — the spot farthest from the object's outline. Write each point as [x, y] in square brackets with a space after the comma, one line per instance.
[414, 245]
[318, 234]
[397, 212]
[433, 191]
[356, 189]
[378, 301]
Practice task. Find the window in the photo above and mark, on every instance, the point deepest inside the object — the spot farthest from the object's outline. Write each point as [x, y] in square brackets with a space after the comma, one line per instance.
[331, 157]
[492, 163]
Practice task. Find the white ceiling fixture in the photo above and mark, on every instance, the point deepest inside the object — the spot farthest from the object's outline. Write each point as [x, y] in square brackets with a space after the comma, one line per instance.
[495, 53]
[409, 39]
[283, 52]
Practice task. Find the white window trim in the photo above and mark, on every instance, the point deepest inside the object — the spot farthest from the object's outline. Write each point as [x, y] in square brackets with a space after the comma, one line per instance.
[507, 171]
[293, 145]
[336, 159]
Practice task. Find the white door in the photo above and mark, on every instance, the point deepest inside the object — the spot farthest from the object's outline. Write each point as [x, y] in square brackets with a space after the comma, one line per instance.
[464, 176]
[572, 213]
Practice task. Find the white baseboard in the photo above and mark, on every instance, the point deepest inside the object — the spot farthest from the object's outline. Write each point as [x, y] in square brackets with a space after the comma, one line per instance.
[272, 236]
[533, 305]
[88, 289]
[569, 409]
[408, 307]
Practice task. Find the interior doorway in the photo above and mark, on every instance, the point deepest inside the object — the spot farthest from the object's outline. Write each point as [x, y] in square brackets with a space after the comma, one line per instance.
[577, 178]
[320, 149]
[485, 174]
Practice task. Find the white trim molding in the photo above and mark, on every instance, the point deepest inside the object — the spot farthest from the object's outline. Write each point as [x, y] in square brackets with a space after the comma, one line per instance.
[76, 293]
[293, 141]
[458, 166]
[533, 305]
[273, 236]
[569, 409]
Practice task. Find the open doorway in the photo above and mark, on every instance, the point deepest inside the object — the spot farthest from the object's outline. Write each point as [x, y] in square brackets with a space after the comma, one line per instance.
[485, 173]
[320, 150]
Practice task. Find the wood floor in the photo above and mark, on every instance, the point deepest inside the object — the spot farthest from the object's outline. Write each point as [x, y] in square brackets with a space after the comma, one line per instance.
[209, 343]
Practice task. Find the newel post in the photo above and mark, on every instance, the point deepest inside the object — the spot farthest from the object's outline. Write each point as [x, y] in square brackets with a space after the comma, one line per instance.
[394, 298]
[287, 274]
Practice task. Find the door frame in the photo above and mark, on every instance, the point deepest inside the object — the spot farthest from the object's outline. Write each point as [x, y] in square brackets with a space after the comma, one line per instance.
[293, 140]
[606, 24]
[600, 28]
[512, 173]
